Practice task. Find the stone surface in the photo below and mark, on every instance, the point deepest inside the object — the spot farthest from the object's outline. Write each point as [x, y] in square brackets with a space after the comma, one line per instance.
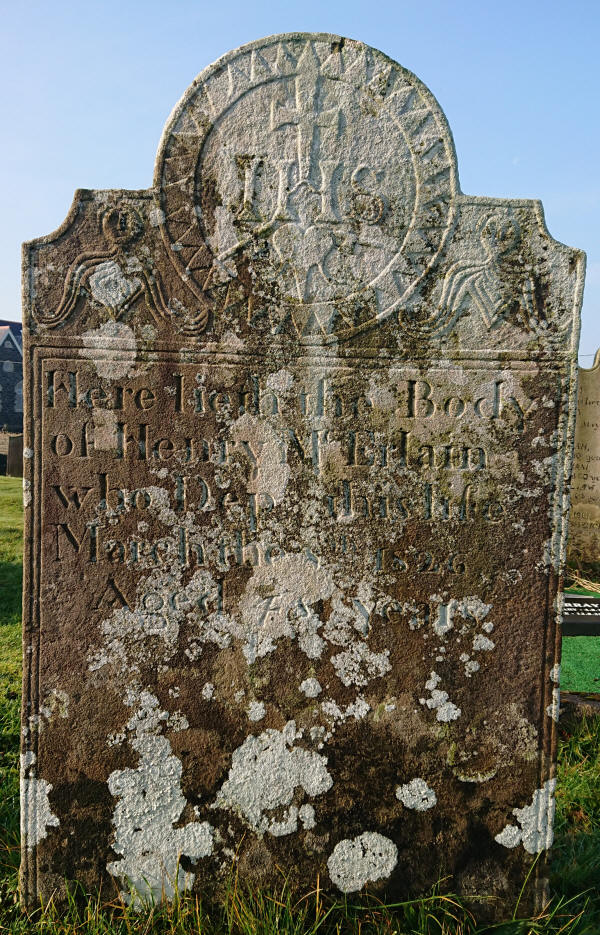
[300, 419]
[583, 545]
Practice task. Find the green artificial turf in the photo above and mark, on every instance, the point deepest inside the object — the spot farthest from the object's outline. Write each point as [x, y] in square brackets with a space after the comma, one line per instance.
[580, 665]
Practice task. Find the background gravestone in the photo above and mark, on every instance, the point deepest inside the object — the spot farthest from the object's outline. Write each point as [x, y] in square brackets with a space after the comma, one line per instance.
[14, 456]
[584, 523]
[299, 420]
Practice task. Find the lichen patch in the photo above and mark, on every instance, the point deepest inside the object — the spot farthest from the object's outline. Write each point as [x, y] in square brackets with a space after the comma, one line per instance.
[417, 794]
[36, 813]
[535, 822]
[149, 805]
[120, 337]
[266, 770]
[367, 858]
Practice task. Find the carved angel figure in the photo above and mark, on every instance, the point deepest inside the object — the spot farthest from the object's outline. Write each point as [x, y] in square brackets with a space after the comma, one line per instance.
[482, 283]
[115, 280]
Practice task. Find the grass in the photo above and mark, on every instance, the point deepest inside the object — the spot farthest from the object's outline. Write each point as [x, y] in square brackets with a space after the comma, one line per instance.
[580, 664]
[11, 550]
[574, 910]
[11, 576]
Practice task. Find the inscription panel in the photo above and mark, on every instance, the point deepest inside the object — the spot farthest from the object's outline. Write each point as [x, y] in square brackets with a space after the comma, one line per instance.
[298, 424]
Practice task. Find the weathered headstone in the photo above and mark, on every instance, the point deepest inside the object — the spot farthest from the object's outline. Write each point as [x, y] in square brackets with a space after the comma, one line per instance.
[584, 523]
[299, 420]
[14, 456]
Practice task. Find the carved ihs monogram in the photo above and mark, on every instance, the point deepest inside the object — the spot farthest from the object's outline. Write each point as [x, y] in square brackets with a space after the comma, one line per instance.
[327, 172]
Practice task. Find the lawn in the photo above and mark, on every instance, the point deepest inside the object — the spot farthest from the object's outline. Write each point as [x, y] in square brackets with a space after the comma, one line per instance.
[580, 665]
[575, 908]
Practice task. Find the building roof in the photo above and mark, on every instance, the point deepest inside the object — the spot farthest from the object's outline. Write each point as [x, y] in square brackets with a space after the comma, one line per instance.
[7, 335]
[14, 325]
[16, 328]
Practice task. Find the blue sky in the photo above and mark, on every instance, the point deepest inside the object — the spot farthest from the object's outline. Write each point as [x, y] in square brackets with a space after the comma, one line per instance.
[88, 86]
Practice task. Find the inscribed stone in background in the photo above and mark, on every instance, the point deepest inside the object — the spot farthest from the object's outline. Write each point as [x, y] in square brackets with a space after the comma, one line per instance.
[584, 523]
[298, 428]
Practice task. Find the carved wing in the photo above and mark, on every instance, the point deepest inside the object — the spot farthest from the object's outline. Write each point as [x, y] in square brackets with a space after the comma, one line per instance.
[458, 283]
[75, 282]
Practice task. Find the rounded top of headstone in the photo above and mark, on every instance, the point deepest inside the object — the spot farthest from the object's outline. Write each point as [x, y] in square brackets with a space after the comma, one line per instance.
[314, 166]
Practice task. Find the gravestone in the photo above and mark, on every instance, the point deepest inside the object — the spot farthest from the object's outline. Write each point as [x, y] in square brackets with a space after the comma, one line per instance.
[584, 523]
[14, 456]
[299, 422]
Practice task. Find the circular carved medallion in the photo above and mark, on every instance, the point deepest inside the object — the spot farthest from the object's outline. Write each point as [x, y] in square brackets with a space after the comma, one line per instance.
[314, 167]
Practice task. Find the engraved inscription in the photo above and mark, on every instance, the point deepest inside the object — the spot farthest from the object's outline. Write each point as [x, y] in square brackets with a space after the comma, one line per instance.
[382, 476]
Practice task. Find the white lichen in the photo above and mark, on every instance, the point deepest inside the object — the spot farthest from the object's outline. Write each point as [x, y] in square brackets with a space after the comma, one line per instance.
[150, 804]
[156, 217]
[509, 836]
[553, 709]
[130, 636]
[109, 287]
[27, 759]
[36, 814]
[277, 604]
[432, 682]
[306, 814]
[267, 453]
[266, 770]
[417, 795]
[482, 643]
[364, 859]
[357, 665]
[535, 821]
[445, 709]
[310, 687]
[114, 334]
[55, 704]
[256, 711]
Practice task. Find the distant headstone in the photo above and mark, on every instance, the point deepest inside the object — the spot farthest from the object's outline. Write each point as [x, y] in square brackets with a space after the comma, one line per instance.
[298, 428]
[14, 456]
[584, 522]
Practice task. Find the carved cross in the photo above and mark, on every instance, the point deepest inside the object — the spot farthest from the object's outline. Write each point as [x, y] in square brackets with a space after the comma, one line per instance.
[308, 115]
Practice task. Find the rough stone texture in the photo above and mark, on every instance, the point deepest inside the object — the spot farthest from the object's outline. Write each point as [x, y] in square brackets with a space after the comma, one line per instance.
[583, 546]
[301, 420]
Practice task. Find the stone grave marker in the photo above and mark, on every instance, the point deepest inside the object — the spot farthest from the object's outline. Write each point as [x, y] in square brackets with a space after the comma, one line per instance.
[299, 422]
[14, 456]
[584, 523]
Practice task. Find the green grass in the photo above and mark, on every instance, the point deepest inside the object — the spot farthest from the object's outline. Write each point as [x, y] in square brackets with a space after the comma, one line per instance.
[580, 664]
[11, 550]
[575, 908]
[11, 575]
